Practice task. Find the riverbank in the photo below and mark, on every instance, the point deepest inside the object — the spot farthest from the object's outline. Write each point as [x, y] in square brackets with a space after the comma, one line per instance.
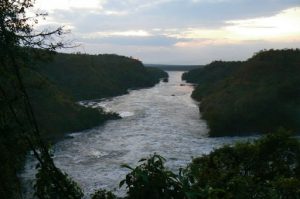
[259, 95]
[162, 119]
[55, 86]
[53, 89]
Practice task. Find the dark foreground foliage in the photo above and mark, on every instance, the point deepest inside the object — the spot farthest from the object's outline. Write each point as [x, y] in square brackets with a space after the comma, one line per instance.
[56, 111]
[256, 96]
[19, 130]
[35, 105]
[265, 168]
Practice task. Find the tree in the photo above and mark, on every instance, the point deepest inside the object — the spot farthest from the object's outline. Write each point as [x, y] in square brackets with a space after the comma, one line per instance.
[20, 46]
[152, 180]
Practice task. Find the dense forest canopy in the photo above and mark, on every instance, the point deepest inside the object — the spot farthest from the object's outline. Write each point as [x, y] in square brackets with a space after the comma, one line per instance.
[255, 96]
[96, 76]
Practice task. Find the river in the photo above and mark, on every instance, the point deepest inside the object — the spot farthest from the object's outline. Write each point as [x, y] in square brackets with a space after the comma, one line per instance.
[162, 119]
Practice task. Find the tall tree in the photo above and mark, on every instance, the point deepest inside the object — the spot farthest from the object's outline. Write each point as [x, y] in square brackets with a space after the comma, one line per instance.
[20, 45]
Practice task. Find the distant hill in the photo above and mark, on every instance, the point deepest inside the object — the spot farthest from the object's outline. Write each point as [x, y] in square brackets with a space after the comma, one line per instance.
[86, 76]
[259, 95]
[174, 67]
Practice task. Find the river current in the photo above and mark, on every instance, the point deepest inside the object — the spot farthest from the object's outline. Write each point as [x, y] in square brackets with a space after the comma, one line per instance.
[162, 119]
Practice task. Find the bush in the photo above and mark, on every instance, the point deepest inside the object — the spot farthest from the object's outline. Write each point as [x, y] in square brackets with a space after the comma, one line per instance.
[266, 168]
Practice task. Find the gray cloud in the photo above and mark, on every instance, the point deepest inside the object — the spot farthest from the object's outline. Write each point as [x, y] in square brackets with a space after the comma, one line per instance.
[197, 55]
[133, 41]
[169, 14]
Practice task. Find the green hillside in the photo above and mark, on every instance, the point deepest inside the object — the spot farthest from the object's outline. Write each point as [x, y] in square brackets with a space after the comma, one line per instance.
[96, 76]
[56, 112]
[255, 96]
[209, 76]
[54, 89]
[56, 85]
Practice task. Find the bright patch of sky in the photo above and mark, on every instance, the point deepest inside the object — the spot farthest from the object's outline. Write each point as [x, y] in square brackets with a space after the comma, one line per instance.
[177, 31]
[69, 4]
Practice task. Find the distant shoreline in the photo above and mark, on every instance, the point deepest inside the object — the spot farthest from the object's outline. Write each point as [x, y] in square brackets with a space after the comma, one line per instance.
[167, 67]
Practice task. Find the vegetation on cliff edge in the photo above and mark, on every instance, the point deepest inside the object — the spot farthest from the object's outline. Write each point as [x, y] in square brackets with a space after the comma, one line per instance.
[255, 96]
[265, 168]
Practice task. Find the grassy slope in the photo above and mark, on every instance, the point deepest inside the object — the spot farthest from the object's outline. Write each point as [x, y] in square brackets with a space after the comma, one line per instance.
[258, 96]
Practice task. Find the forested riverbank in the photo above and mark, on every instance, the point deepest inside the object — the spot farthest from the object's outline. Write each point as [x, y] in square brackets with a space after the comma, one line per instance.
[85, 77]
[54, 87]
[259, 95]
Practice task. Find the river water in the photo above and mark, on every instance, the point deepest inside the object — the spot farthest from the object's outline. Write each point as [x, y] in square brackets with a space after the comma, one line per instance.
[162, 119]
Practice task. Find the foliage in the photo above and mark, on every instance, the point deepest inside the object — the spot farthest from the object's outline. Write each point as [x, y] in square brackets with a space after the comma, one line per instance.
[103, 194]
[54, 86]
[52, 183]
[265, 168]
[84, 76]
[152, 180]
[256, 96]
[57, 113]
[18, 127]
[34, 105]
[157, 73]
[208, 77]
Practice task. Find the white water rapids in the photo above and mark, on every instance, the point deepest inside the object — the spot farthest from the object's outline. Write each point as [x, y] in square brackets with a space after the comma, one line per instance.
[162, 119]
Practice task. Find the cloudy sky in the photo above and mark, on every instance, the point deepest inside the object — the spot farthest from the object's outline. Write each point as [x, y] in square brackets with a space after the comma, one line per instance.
[177, 31]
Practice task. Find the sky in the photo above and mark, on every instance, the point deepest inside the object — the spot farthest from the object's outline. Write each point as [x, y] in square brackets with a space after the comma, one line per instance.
[176, 31]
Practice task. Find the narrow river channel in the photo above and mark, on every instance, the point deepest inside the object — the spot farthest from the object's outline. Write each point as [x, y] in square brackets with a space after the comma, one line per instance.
[162, 119]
